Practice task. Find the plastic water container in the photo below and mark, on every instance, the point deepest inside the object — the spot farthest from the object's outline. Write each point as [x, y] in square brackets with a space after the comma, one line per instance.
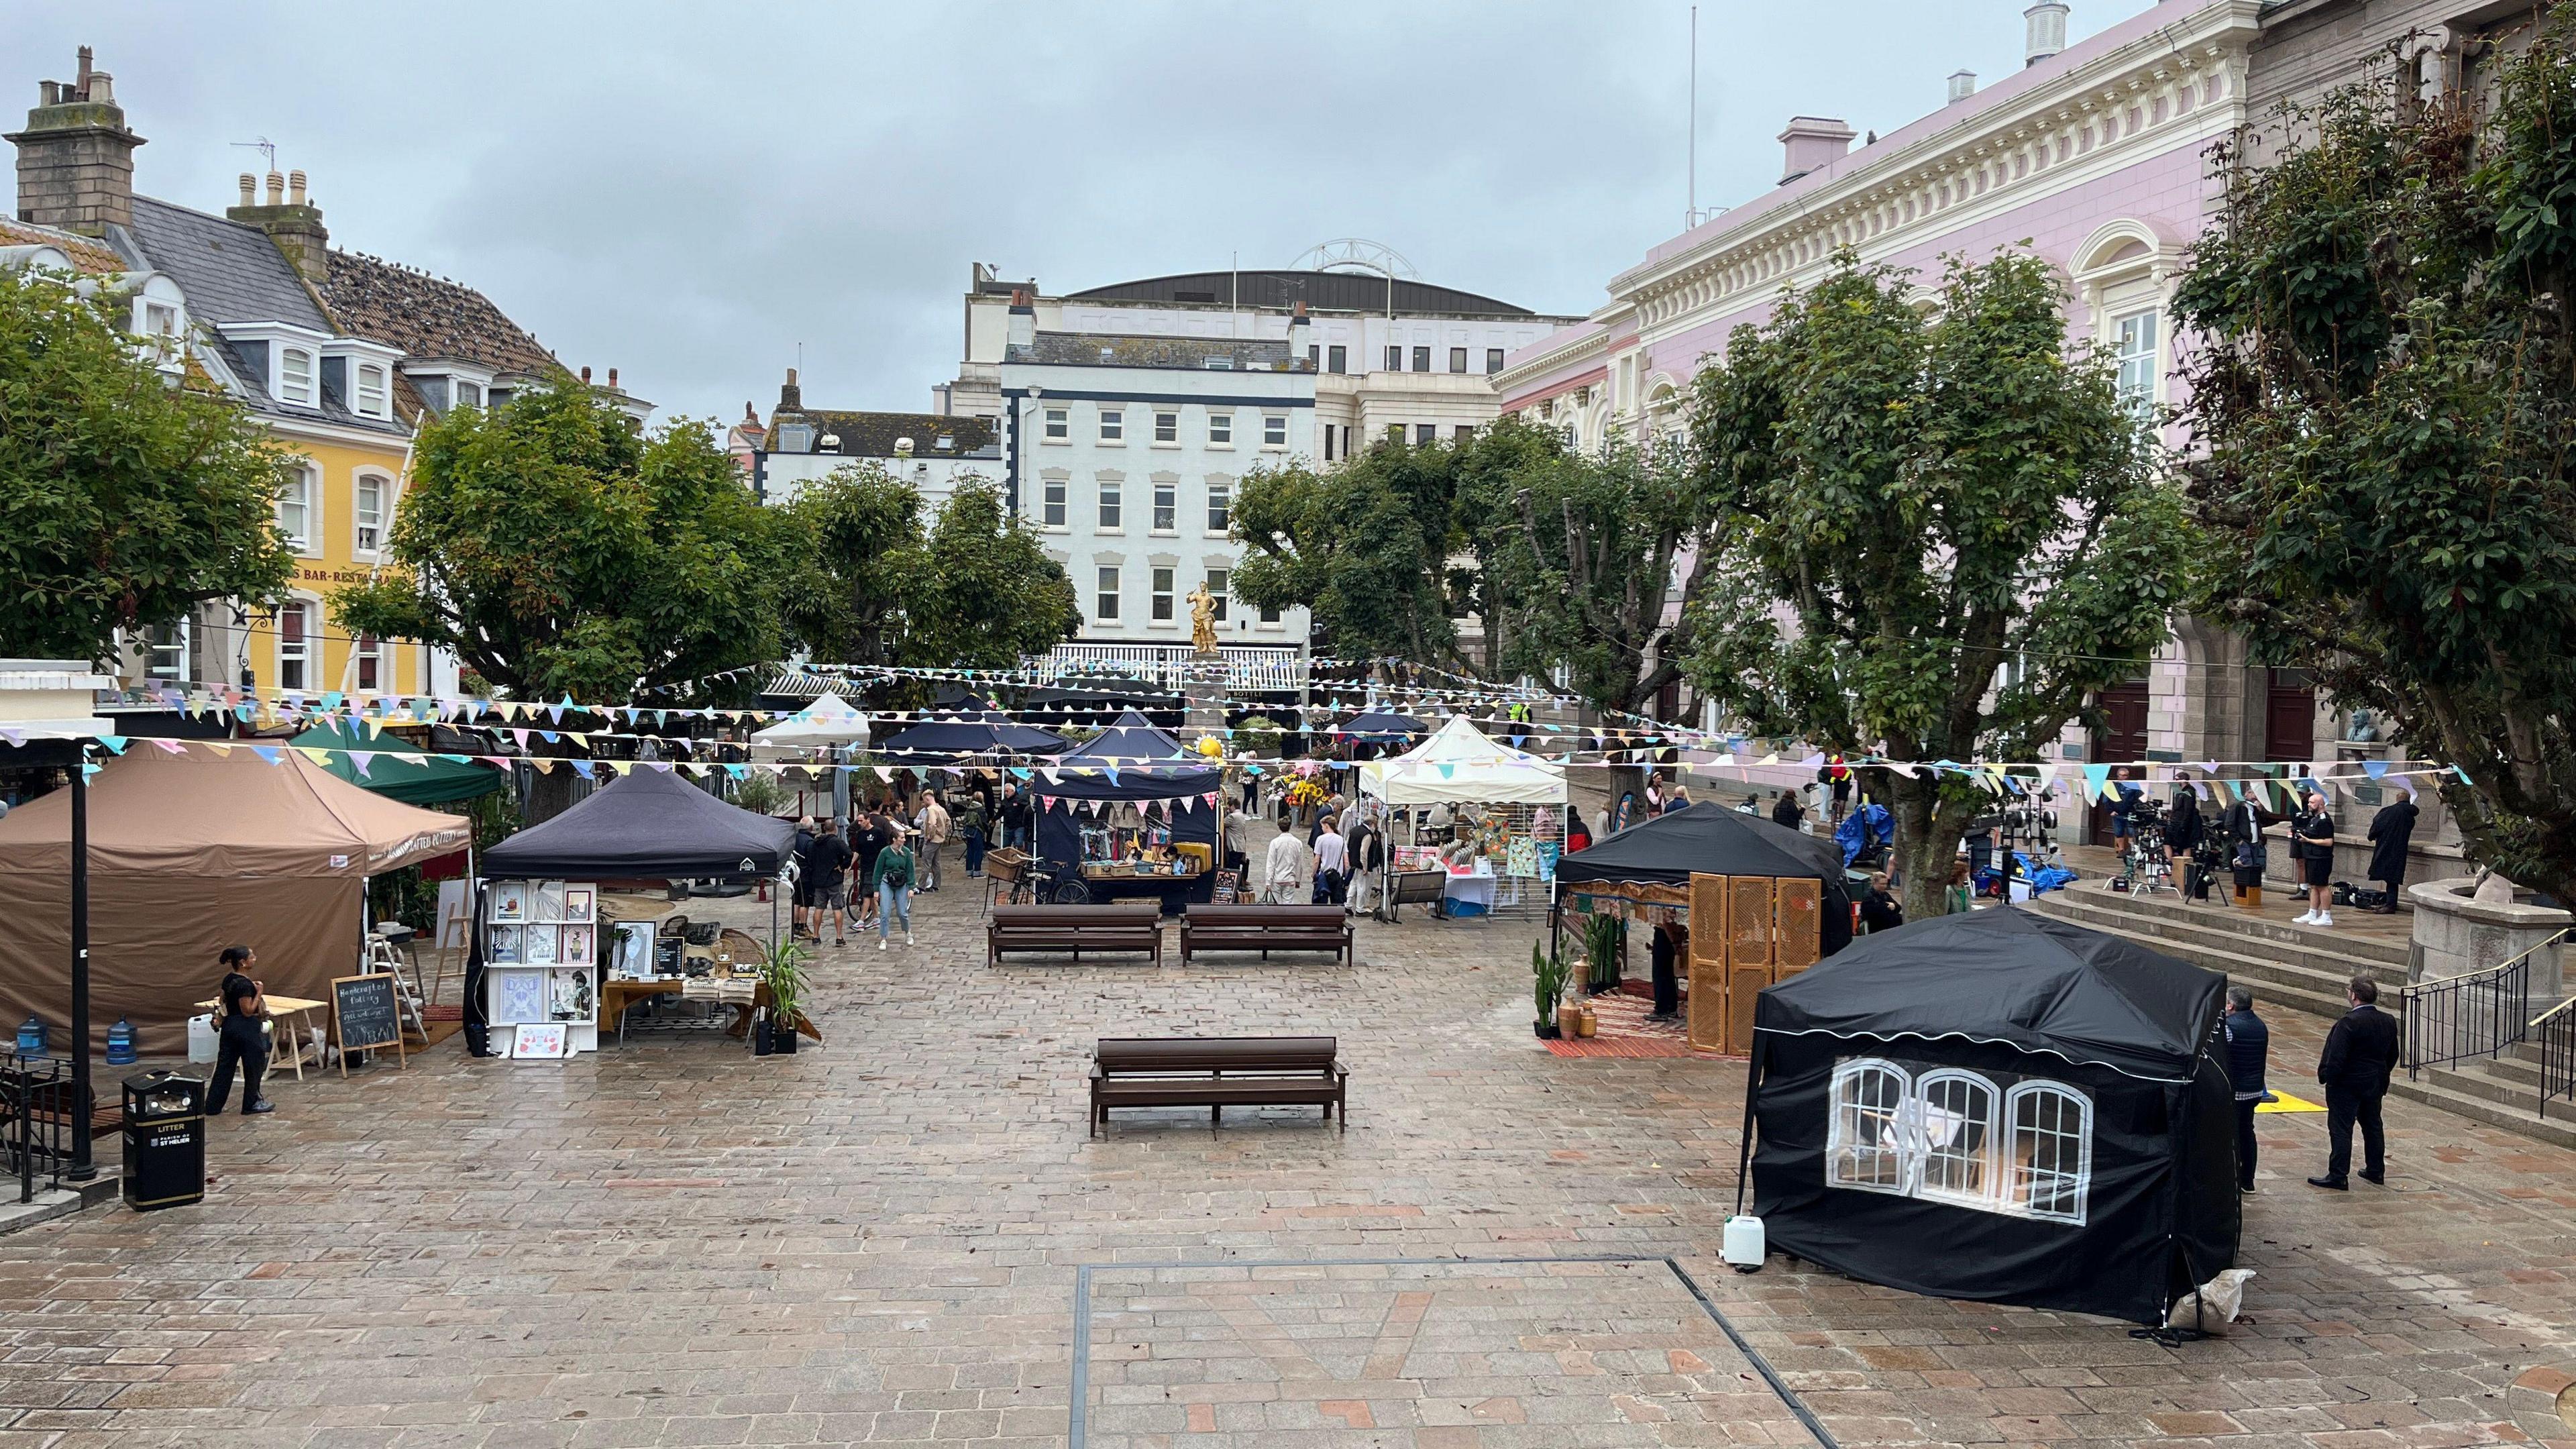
[2020, 889]
[1743, 1248]
[201, 1038]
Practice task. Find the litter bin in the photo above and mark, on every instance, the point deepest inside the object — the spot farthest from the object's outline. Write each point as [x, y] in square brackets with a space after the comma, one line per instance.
[165, 1140]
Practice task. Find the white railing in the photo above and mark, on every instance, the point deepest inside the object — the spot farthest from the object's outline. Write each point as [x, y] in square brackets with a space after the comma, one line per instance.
[1170, 665]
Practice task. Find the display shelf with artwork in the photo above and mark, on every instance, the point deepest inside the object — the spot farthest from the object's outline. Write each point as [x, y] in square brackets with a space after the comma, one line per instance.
[542, 959]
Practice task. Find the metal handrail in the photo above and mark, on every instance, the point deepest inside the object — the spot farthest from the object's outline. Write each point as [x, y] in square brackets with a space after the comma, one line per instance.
[2533, 949]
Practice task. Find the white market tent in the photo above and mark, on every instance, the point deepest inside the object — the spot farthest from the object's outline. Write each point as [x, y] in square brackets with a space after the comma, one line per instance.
[1460, 765]
[816, 734]
[827, 722]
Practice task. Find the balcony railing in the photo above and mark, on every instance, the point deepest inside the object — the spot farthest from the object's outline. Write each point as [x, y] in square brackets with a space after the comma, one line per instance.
[1172, 665]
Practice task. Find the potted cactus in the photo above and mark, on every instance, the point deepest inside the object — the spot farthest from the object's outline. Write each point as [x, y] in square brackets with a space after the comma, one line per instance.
[1603, 937]
[1548, 975]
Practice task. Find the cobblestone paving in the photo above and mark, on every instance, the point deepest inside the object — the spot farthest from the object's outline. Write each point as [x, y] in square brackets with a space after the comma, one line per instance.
[674, 1243]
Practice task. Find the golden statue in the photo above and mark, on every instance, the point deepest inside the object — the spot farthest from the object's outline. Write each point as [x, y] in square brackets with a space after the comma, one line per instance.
[1202, 620]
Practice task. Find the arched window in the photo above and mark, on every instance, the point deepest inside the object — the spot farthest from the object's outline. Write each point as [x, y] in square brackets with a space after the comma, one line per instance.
[1864, 1144]
[2049, 1153]
[1955, 1117]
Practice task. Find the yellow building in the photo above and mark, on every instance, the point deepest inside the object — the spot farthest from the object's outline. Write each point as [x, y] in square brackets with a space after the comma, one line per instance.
[338, 356]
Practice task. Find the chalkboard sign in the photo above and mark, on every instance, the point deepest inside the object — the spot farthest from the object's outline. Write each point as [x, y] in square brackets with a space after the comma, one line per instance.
[365, 1015]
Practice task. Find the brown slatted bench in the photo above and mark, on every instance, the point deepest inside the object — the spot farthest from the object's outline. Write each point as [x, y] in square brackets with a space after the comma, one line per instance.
[1060, 930]
[1217, 1073]
[1266, 929]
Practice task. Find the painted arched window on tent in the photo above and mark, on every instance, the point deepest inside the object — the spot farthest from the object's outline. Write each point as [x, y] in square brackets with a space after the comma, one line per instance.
[1955, 1124]
[1865, 1142]
[2048, 1151]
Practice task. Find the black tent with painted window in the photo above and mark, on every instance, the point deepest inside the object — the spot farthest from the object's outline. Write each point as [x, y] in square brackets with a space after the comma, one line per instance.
[2003, 1107]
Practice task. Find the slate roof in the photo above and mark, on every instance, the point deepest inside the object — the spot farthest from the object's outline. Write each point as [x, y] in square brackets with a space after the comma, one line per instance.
[86, 254]
[429, 317]
[230, 271]
[872, 435]
[1100, 349]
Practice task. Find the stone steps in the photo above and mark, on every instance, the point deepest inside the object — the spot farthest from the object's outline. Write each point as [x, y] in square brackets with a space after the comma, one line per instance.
[2306, 970]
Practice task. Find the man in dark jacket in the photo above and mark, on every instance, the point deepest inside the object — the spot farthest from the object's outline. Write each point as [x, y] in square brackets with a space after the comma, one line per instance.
[2360, 1053]
[2249, 1042]
[2392, 830]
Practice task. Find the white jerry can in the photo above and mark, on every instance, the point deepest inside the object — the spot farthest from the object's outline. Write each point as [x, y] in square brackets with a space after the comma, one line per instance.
[201, 1038]
[1743, 1249]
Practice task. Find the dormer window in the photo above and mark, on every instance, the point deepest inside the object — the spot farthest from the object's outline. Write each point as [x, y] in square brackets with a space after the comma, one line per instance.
[468, 395]
[795, 438]
[373, 400]
[295, 376]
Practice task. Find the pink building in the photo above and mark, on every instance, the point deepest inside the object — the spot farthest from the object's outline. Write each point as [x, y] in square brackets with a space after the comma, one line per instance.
[2092, 156]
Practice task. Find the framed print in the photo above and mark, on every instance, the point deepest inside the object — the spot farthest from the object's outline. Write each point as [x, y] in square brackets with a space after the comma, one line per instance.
[548, 903]
[509, 902]
[543, 945]
[538, 1041]
[581, 905]
[631, 950]
[578, 945]
[501, 945]
[518, 996]
[569, 997]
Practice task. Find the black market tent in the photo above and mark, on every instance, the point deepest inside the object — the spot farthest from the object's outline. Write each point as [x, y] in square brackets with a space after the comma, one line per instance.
[1380, 727]
[1710, 839]
[396, 768]
[646, 825]
[1149, 765]
[2002, 1107]
[979, 730]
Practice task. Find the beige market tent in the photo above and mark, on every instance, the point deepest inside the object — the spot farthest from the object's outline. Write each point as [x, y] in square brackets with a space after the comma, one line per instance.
[1458, 764]
[190, 853]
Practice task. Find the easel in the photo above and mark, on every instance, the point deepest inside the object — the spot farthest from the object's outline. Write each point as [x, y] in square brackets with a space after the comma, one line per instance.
[455, 933]
[381, 960]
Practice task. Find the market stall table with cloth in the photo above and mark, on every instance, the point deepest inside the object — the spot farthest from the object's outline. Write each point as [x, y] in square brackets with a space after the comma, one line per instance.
[1131, 767]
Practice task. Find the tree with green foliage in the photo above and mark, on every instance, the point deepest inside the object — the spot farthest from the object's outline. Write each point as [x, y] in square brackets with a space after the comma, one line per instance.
[2386, 393]
[559, 552]
[124, 499]
[1942, 533]
[976, 590]
[1583, 554]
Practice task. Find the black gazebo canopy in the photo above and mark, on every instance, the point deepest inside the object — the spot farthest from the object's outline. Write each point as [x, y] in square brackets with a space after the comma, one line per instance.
[648, 825]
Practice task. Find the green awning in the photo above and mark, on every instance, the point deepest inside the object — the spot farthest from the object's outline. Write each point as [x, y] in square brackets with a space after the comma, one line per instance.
[399, 769]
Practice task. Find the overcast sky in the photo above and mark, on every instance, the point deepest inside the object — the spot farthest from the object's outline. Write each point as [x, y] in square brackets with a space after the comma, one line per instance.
[689, 191]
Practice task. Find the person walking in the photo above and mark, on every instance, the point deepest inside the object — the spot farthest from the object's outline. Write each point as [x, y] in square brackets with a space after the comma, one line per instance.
[933, 828]
[1368, 865]
[2360, 1053]
[800, 907]
[1288, 869]
[2312, 836]
[2249, 1045]
[1786, 812]
[892, 881]
[1014, 811]
[1238, 843]
[241, 1041]
[1332, 865]
[868, 838]
[826, 866]
[971, 817]
[2392, 830]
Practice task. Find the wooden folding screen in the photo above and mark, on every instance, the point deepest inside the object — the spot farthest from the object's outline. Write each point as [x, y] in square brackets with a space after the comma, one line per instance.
[1708, 936]
[1801, 927]
[1750, 937]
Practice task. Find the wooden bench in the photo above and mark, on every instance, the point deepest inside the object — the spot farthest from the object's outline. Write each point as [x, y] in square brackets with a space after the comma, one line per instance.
[1416, 887]
[1266, 929]
[1217, 1073]
[1054, 930]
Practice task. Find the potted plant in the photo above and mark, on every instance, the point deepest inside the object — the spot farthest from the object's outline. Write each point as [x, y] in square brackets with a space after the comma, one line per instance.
[1603, 935]
[782, 970]
[1548, 975]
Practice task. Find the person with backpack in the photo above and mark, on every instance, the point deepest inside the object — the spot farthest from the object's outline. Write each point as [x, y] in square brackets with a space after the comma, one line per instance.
[893, 882]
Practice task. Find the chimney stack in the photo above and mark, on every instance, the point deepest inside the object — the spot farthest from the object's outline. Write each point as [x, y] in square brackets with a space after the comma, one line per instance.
[585, 374]
[1812, 142]
[1963, 84]
[76, 158]
[249, 188]
[1024, 319]
[612, 379]
[791, 398]
[291, 220]
[2043, 31]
